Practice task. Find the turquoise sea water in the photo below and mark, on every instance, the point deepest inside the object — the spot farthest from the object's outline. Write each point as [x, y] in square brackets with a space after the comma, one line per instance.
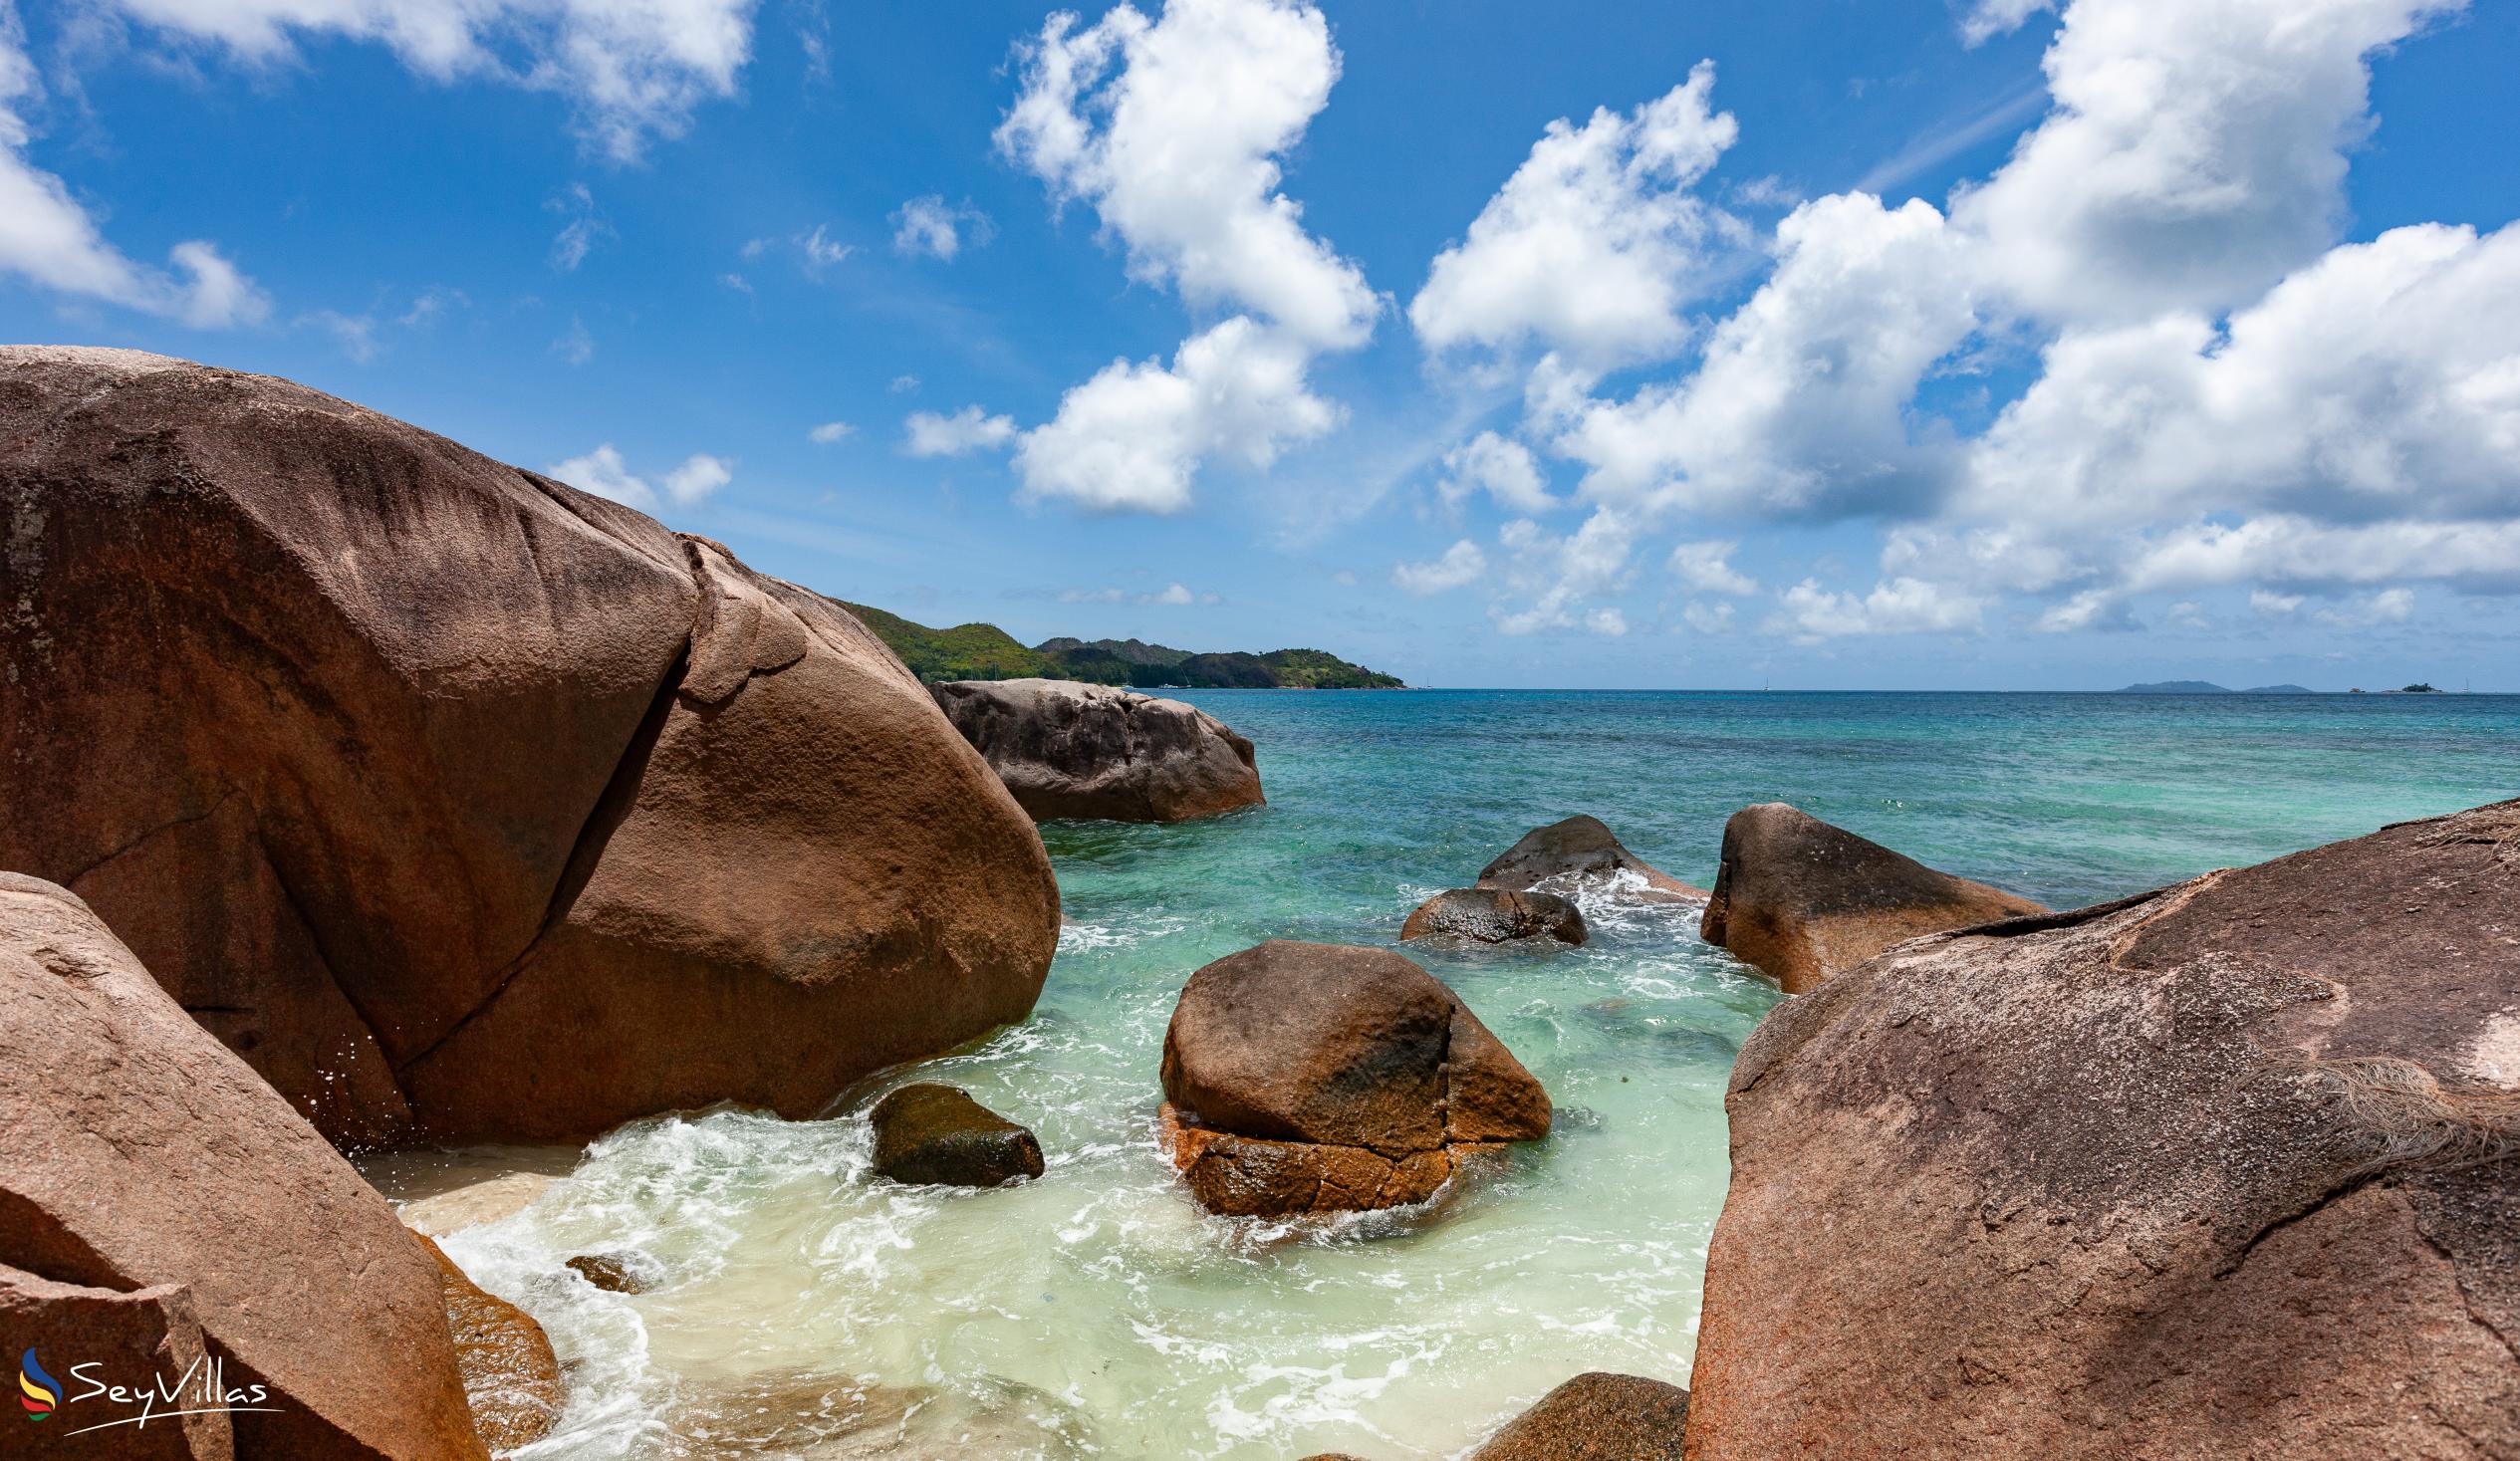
[805, 1308]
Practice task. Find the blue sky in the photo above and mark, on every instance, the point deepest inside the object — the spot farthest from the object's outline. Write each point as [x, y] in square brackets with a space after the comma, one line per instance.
[1821, 343]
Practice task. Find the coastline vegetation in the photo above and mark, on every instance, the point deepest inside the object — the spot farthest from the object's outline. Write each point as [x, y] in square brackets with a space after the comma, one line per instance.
[980, 651]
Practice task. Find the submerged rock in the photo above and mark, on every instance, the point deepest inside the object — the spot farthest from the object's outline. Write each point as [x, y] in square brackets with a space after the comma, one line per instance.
[511, 1376]
[1581, 853]
[2227, 1169]
[463, 805]
[1320, 1077]
[1495, 916]
[151, 1183]
[449, 1212]
[1596, 1417]
[1069, 748]
[1802, 899]
[827, 1417]
[938, 1136]
[613, 1272]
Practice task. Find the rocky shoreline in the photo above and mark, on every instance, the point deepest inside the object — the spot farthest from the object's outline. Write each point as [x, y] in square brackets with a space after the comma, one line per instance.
[365, 793]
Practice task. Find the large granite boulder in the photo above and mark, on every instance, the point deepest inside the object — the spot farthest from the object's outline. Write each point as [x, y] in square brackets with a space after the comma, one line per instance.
[1802, 899]
[157, 1198]
[937, 1136]
[1580, 855]
[1495, 916]
[1598, 1416]
[1069, 748]
[2227, 1169]
[1320, 1077]
[462, 804]
[129, 1337]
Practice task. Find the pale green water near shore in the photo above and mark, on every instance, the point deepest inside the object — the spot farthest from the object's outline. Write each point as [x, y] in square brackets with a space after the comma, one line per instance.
[1097, 1313]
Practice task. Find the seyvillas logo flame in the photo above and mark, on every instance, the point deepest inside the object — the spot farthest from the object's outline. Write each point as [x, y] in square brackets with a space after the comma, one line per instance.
[42, 1393]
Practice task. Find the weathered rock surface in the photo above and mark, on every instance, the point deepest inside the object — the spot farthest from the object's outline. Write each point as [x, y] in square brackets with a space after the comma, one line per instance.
[134, 1338]
[1802, 899]
[1320, 1077]
[1496, 916]
[1069, 748]
[932, 1135]
[1596, 1417]
[1579, 854]
[144, 1159]
[511, 1376]
[2227, 1169]
[464, 804]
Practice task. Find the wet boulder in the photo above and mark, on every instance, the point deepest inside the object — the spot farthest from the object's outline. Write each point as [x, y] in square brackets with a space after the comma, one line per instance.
[2227, 1169]
[1306, 1077]
[613, 1272]
[1598, 1416]
[936, 1136]
[1496, 916]
[1802, 899]
[157, 1192]
[1580, 855]
[463, 805]
[1069, 748]
[511, 1376]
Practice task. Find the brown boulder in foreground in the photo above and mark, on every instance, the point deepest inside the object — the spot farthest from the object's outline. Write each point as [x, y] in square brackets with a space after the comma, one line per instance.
[132, 1338]
[1495, 916]
[142, 1159]
[1580, 853]
[460, 803]
[1598, 1416]
[1066, 748]
[511, 1376]
[1320, 1077]
[1802, 899]
[2227, 1169]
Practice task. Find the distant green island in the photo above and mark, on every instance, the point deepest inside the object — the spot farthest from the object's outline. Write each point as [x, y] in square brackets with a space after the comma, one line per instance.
[987, 652]
[2209, 687]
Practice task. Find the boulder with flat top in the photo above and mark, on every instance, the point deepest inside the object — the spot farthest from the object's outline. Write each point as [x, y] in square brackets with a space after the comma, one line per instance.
[1802, 901]
[1307, 1078]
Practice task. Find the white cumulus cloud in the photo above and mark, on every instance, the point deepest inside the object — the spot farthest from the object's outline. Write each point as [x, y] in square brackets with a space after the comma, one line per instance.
[1596, 244]
[1502, 468]
[604, 473]
[1462, 563]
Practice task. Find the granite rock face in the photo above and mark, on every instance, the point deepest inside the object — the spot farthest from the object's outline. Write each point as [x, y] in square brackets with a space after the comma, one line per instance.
[1069, 748]
[1580, 855]
[1321, 1078]
[1496, 916]
[2227, 1169]
[937, 1136]
[156, 1198]
[1802, 899]
[463, 805]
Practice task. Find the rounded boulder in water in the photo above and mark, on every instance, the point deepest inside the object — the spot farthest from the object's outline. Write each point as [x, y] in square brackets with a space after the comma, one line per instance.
[935, 1135]
[1496, 916]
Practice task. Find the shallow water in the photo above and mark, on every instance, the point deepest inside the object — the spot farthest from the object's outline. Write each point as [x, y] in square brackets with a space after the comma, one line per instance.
[804, 1309]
